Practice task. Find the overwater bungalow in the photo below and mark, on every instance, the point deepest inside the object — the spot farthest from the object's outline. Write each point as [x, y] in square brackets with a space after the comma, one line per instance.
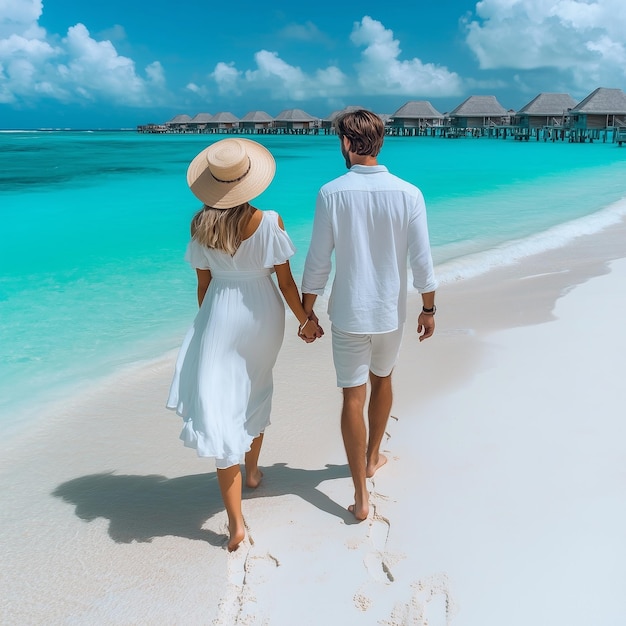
[601, 112]
[199, 123]
[545, 116]
[223, 122]
[554, 116]
[328, 123]
[154, 129]
[178, 124]
[296, 121]
[415, 117]
[478, 115]
[256, 122]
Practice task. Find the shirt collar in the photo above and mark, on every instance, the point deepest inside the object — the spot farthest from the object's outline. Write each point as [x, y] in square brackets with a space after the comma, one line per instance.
[368, 169]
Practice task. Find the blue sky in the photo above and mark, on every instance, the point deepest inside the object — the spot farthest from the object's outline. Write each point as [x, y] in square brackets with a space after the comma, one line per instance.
[116, 64]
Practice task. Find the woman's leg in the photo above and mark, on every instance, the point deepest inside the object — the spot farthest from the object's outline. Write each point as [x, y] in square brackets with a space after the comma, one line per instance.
[253, 473]
[230, 485]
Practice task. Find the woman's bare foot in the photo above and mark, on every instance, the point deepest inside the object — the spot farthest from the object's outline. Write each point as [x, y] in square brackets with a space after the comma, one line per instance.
[237, 535]
[374, 464]
[253, 478]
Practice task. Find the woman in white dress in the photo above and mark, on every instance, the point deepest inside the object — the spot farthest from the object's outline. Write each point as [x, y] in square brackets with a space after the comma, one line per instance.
[222, 384]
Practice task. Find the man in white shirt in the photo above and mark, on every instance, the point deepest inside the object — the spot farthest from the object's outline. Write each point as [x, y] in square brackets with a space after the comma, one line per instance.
[374, 222]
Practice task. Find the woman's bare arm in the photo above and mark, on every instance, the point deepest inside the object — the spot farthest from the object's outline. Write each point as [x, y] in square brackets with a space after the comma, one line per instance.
[204, 278]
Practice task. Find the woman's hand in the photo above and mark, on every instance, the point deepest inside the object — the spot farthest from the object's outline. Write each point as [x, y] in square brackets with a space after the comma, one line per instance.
[309, 330]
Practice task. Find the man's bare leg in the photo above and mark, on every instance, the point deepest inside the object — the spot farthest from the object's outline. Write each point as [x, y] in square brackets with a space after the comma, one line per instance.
[354, 441]
[381, 398]
[230, 485]
[253, 473]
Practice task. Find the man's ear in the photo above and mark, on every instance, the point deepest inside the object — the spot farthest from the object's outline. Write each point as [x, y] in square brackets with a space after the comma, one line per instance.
[346, 144]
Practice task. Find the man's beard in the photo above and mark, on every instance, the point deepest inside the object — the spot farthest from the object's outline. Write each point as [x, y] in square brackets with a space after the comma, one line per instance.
[346, 156]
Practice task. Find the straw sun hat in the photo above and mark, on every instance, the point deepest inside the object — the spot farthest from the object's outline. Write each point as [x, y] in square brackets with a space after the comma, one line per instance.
[230, 172]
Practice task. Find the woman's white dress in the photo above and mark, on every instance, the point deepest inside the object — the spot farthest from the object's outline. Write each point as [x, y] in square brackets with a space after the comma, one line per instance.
[222, 384]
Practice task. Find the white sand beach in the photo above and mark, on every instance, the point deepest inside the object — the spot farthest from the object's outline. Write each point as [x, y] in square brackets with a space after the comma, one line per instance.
[502, 503]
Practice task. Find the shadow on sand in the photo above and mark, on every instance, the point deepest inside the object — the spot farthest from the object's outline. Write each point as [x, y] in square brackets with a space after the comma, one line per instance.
[140, 508]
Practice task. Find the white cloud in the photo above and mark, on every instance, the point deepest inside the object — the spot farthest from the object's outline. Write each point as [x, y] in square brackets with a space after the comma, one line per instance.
[308, 32]
[227, 77]
[279, 79]
[278, 76]
[115, 33]
[197, 89]
[156, 74]
[382, 72]
[78, 68]
[36, 50]
[20, 17]
[98, 68]
[584, 38]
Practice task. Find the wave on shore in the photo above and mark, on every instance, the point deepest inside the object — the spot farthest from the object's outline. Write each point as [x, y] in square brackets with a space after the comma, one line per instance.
[478, 263]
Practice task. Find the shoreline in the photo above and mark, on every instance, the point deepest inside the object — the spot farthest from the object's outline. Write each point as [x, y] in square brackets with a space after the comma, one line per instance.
[114, 521]
[510, 253]
[503, 261]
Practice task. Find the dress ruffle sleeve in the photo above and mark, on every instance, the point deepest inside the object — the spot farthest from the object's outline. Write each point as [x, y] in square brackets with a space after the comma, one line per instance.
[279, 248]
[195, 256]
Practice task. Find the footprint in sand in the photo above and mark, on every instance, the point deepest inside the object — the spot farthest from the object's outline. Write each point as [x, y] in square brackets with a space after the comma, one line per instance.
[431, 604]
[246, 572]
[376, 560]
[229, 605]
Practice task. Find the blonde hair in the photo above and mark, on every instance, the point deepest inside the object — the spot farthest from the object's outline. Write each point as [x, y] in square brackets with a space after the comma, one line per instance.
[221, 229]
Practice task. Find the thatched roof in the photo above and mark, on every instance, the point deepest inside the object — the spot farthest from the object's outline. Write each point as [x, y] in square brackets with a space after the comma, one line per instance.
[603, 101]
[201, 118]
[478, 106]
[224, 117]
[333, 116]
[257, 116]
[180, 119]
[548, 104]
[294, 115]
[417, 109]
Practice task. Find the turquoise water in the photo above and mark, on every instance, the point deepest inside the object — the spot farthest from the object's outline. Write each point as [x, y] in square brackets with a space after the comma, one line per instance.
[94, 227]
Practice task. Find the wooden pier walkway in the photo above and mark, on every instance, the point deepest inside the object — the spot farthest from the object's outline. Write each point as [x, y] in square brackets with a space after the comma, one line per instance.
[517, 133]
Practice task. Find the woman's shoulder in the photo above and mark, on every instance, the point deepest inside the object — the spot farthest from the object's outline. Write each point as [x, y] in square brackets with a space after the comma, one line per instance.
[253, 224]
[270, 213]
[273, 218]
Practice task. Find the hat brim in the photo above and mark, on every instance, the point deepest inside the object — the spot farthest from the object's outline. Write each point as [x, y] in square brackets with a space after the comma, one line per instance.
[221, 195]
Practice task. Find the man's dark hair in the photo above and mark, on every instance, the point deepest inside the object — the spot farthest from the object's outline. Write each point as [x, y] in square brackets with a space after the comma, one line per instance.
[365, 131]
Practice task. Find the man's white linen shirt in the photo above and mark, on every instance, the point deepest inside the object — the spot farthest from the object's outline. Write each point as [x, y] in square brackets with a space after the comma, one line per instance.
[373, 221]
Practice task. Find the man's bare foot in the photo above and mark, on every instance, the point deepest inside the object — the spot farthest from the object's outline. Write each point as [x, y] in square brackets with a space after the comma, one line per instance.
[361, 507]
[237, 535]
[253, 478]
[373, 466]
[360, 512]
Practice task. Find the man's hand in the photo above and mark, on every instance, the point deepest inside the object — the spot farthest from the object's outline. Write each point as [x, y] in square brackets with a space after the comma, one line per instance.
[425, 326]
[319, 331]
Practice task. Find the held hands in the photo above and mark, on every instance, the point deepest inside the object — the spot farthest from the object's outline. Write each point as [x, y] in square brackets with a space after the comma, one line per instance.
[310, 330]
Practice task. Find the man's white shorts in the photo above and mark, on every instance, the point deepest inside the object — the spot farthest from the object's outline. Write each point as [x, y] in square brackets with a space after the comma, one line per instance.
[355, 356]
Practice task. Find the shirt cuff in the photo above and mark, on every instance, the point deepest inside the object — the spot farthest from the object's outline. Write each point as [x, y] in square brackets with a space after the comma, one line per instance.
[427, 288]
[317, 292]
